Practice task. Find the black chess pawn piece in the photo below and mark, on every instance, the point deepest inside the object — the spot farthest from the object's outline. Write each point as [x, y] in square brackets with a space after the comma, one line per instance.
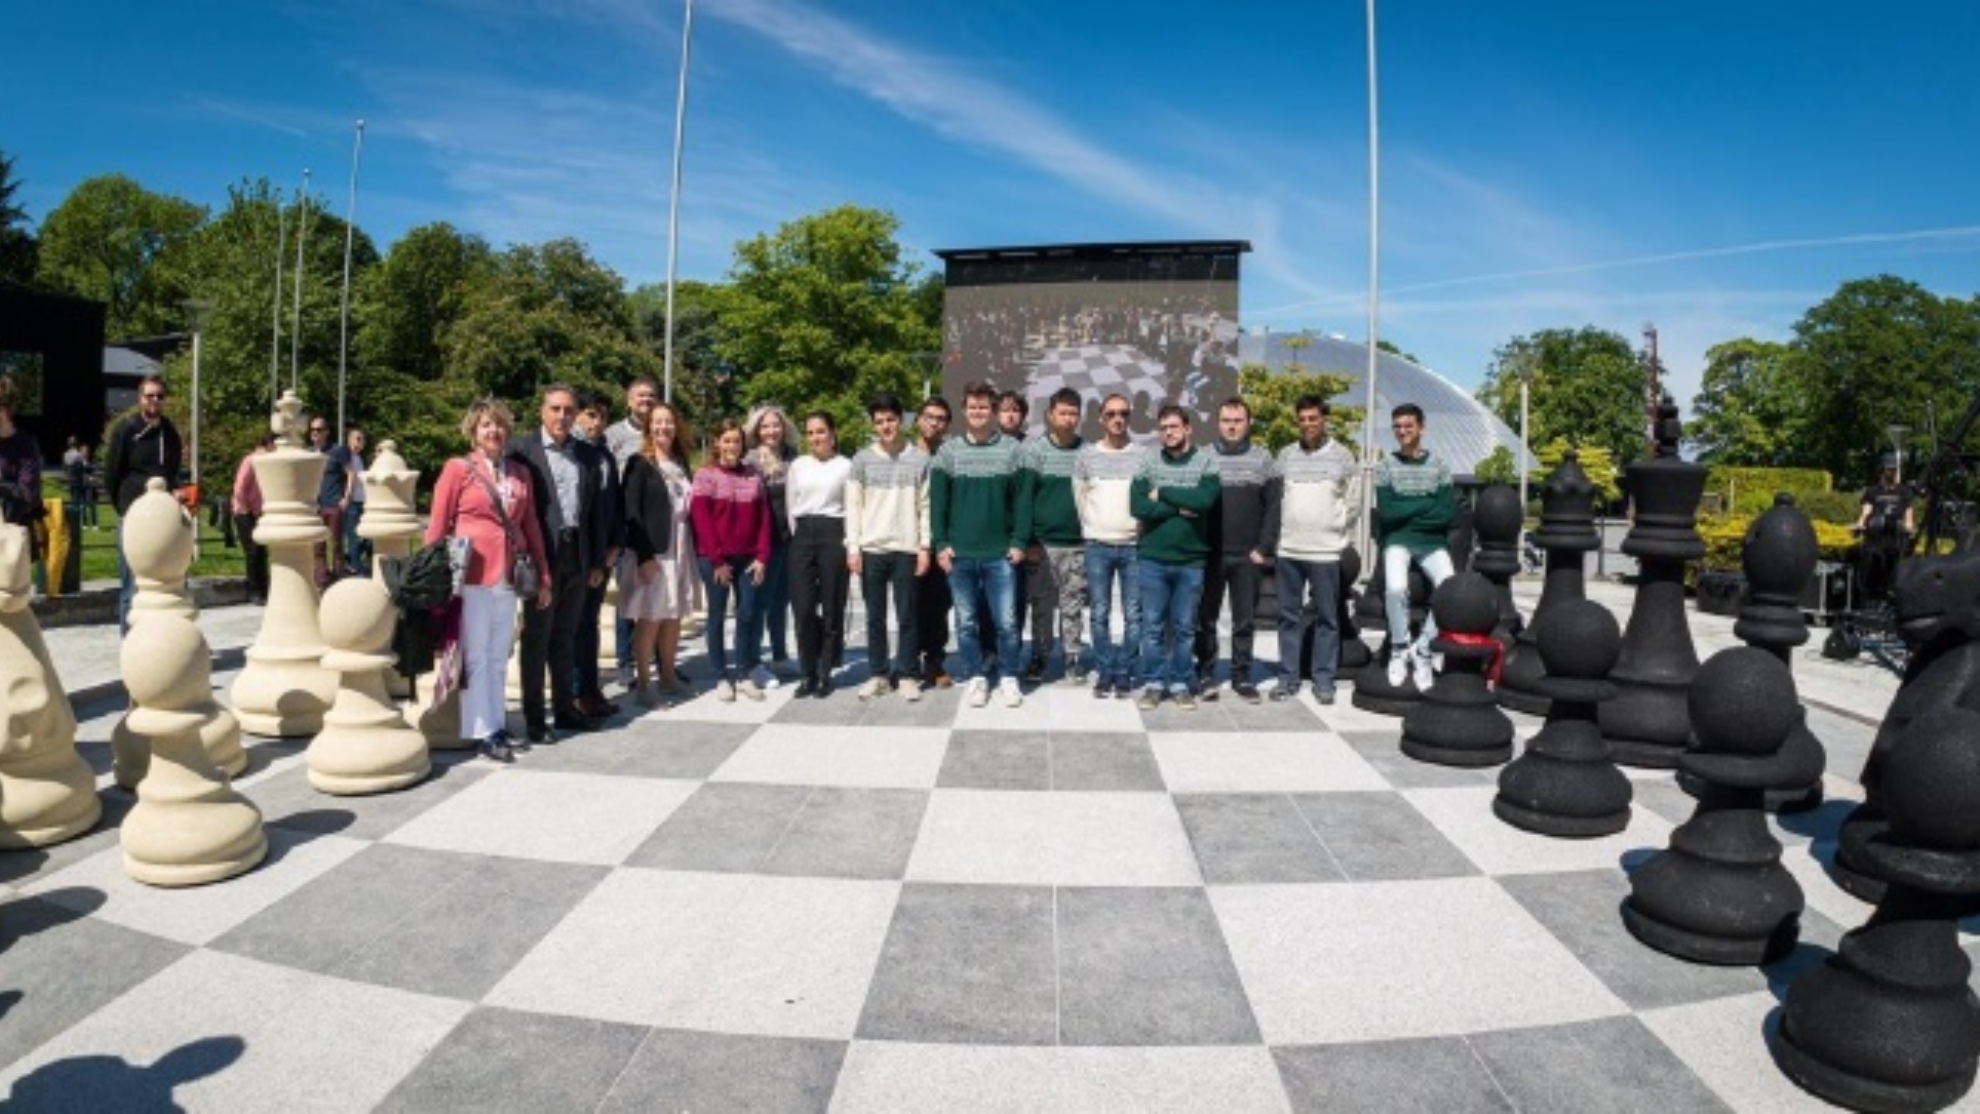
[1566, 533]
[1565, 784]
[1647, 724]
[1938, 615]
[1719, 894]
[1890, 1021]
[1779, 559]
[1458, 722]
[1497, 518]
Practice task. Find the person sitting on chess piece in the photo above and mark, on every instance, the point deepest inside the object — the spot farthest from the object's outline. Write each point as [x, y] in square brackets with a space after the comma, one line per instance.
[1415, 503]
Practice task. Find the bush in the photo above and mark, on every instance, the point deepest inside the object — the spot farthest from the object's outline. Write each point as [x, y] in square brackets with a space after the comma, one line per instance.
[1751, 491]
[1725, 537]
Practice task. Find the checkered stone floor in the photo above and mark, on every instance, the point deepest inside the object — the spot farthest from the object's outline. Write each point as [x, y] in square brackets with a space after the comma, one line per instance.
[1098, 370]
[805, 905]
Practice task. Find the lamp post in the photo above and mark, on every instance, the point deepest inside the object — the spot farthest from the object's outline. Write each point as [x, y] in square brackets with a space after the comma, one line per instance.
[1897, 432]
[199, 311]
[1525, 433]
[1369, 451]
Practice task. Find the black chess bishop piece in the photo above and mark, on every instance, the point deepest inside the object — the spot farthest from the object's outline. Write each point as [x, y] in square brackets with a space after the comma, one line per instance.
[1719, 894]
[1566, 533]
[1458, 722]
[1564, 784]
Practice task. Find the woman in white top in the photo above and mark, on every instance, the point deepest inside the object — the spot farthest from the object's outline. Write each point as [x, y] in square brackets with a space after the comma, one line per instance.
[658, 582]
[816, 496]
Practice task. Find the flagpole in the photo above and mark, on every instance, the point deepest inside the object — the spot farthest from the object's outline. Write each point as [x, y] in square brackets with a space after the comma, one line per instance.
[295, 323]
[674, 201]
[344, 318]
[275, 314]
[1369, 451]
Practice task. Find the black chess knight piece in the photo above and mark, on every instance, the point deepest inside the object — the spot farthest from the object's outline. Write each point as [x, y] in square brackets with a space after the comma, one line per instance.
[1458, 722]
[1938, 615]
[1719, 894]
[1565, 784]
[1497, 518]
[1566, 533]
[1647, 724]
[1890, 1022]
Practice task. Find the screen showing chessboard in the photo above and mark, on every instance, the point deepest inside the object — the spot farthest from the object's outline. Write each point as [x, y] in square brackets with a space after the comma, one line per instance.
[1154, 325]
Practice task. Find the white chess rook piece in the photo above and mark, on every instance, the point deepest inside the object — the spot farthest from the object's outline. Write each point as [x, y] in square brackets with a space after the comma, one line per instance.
[47, 792]
[365, 746]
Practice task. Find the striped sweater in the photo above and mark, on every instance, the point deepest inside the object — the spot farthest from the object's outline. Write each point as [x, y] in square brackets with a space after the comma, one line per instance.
[887, 501]
[1048, 513]
[1175, 497]
[1101, 479]
[1415, 502]
[1250, 485]
[1319, 502]
[972, 497]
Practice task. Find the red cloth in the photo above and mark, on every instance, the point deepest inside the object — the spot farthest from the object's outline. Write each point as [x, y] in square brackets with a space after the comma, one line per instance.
[462, 508]
[1494, 664]
[247, 486]
[731, 512]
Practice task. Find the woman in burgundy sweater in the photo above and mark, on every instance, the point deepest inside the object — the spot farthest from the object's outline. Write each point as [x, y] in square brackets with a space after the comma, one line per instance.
[731, 512]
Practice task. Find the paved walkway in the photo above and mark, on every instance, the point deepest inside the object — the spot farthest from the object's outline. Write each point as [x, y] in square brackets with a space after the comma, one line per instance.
[794, 905]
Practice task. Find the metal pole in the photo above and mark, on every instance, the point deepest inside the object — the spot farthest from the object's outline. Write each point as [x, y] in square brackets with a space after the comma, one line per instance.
[1369, 450]
[275, 315]
[674, 201]
[198, 328]
[344, 318]
[295, 325]
[1525, 442]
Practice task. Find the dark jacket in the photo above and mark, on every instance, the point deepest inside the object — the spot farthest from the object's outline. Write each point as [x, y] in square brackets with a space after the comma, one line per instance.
[1248, 484]
[649, 510]
[594, 527]
[136, 454]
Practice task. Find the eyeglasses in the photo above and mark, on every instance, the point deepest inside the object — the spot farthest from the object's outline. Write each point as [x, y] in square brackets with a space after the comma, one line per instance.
[1171, 427]
[152, 396]
[1113, 413]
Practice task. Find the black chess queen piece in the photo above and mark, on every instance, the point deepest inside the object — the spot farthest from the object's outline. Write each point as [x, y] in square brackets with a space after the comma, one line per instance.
[1565, 784]
[1566, 533]
[1497, 518]
[1938, 615]
[1778, 558]
[1458, 722]
[1890, 1022]
[1719, 894]
[1647, 724]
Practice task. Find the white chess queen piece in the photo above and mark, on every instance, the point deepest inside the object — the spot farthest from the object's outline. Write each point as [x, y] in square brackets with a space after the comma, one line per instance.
[47, 792]
[365, 746]
[284, 690]
[158, 547]
[189, 826]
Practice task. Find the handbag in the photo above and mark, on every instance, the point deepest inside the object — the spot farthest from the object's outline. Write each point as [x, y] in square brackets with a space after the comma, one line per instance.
[523, 574]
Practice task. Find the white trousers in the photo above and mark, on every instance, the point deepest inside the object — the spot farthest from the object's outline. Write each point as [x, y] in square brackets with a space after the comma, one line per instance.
[1395, 592]
[488, 632]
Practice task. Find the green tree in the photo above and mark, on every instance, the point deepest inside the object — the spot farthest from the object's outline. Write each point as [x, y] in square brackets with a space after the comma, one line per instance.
[1498, 468]
[1272, 395]
[415, 295]
[703, 383]
[17, 243]
[1747, 410]
[824, 312]
[116, 242]
[1594, 460]
[1587, 389]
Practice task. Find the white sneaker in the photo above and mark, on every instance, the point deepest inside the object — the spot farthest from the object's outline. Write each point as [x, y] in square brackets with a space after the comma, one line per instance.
[979, 692]
[909, 688]
[762, 678]
[1421, 672]
[1013, 695]
[626, 677]
[1398, 669]
[725, 691]
[874, 687]
[750, 688]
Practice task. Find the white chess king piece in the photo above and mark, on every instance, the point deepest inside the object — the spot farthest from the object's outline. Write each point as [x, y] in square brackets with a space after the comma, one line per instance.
[365, 746]
[47, 792]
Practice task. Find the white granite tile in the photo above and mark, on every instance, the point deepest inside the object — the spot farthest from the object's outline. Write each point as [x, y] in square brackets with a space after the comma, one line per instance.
[1053, 839]
[1052, 707]
[1261, 762]
[1724, 1041]
[886, 1076]
[569, 818]
[1464, 814]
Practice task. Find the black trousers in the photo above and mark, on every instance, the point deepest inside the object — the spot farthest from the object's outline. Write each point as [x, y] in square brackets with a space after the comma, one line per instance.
[257, 556]
[549, 641]
[819, 579]
[586, 680]
[931, 615]
[877, 573]
[1241, 580]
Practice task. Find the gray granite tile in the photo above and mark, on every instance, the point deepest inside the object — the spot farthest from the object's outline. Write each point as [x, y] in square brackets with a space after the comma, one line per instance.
[996, 760]
[678, 1070]
[1382, 750]
[1437, 1075]
[936, 708]
[1147, 966]
[57, 966]
[1104, 761]
[1244, 838]
[1206, 716]
[23, 867]
[288, 800]
[646, 748]
[1271, 715]
[1663, 798]
[1609, 1064]
[966, 964]
[724, 826]
[851, 833]
[1380, 837]
[414, 919]
[498, 1059]
[841, 709]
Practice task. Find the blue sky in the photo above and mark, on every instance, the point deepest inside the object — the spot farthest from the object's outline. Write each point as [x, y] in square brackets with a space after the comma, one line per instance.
[1716, 168]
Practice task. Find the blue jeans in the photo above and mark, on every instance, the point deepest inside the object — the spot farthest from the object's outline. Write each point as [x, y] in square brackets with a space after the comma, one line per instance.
[973, 581]
[773, 607]
[718, 613]
[126, 584]
[1323, 580]
[1107, 565]
[357, 550]
[1169, 598]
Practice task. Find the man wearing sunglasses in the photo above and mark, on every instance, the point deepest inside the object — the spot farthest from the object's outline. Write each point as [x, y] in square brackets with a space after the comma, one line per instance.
[1102, 477]
[143, 446]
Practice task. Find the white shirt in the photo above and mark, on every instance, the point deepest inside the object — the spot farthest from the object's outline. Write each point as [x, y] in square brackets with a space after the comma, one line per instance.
[817, 487]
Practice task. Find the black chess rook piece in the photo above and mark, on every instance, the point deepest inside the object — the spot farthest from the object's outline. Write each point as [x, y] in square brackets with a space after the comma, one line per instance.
[1564, 784]
[1497, 518]
[1647, 724]
[1719, 894]
[1889, 1023]
[1566, 533]
[1458, 722]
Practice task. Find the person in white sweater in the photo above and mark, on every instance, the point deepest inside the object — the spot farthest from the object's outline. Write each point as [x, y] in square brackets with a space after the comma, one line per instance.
[1102, 476]
[1308, 526]
[815, 495]
[887, 545]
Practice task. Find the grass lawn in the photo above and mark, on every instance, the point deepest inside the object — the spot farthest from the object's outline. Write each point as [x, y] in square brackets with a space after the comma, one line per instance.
[99, 546]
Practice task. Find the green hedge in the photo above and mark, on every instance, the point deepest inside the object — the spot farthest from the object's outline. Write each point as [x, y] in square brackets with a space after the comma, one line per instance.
[1752, 490]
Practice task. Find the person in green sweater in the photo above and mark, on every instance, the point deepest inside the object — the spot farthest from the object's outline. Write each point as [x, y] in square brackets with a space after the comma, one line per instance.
[973, 523]
[1173, 496]
[1414, 505]
[1049, 520]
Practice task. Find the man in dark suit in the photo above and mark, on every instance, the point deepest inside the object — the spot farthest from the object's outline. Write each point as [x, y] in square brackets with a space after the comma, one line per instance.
[565, 482]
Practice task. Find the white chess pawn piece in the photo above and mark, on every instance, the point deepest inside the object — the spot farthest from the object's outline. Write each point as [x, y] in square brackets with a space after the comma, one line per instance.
[365, 746]
[189, 826]
[47, 792]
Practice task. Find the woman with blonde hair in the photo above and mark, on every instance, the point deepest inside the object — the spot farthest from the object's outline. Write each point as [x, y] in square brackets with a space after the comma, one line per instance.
[659, 584]
[772, 448]
[485, 498]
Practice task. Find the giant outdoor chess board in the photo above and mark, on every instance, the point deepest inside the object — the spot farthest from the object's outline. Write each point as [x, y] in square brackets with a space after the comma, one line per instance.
[1098, 370]
[1072, 906]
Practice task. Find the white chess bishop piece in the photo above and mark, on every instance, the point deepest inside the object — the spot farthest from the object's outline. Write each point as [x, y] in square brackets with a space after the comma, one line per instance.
[366, 745]
[47, 792]
[189, 826]
[158, 546]
[284, 690]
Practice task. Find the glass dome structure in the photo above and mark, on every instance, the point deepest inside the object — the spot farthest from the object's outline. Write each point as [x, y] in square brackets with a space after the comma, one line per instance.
[1455, 425]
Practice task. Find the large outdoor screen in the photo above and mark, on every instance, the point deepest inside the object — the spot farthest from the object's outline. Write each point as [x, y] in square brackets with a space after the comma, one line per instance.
[1156, 323]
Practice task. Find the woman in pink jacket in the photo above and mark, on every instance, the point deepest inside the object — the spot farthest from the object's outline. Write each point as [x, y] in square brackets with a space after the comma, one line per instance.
[486, 499]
